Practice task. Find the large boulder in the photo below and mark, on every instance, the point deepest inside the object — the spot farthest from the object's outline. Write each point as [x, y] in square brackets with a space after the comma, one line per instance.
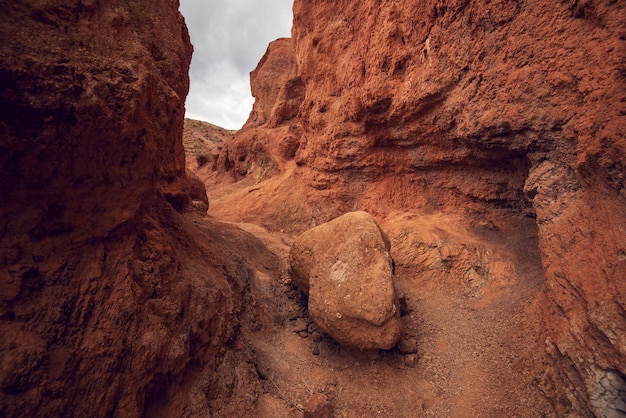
[345, 268]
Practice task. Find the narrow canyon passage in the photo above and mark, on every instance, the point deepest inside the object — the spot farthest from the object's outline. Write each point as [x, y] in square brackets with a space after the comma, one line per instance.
[468, 289]
[488, 141]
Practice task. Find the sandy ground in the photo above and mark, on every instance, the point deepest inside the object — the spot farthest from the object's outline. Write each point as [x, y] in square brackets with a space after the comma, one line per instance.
[477, 355]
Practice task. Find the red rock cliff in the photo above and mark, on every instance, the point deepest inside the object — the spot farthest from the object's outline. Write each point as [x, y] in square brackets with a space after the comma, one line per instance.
[106, 303]
[270, 135]
[505, 106]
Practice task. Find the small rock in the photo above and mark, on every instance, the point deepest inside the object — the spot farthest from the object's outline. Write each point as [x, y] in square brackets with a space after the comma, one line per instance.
[407, 345]
[317, 336]
[301, 324]
[295, 313]
[315, 350]
[318, 406]
[410, 360]
[445, 252]
[303, 334]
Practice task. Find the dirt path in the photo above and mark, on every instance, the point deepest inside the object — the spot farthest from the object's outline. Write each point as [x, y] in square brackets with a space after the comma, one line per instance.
[475, 360]
[476, 344]
[467, 290]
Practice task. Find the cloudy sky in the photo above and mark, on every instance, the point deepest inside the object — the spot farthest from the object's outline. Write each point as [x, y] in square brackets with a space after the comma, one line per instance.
[229, 39]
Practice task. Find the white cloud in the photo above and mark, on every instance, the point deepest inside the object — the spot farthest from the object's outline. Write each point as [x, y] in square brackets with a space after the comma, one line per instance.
[229, 39]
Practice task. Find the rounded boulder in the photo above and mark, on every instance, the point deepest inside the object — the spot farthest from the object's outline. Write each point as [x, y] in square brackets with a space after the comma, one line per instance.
[346, 269]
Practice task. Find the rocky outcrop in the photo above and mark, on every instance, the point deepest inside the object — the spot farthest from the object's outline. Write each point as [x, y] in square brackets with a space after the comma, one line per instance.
[64, 88]
[197, 192]
[275, 86]
[345, 268]
[508, 108]
[107, 303]
[271, 134]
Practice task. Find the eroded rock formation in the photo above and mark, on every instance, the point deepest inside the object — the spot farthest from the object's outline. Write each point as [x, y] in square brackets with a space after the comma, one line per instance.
[501, 113]
[269, 139]
[107, 302]
[504, 108]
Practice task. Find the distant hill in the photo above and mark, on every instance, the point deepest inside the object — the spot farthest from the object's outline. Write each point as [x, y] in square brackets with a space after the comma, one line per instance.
[202, 139]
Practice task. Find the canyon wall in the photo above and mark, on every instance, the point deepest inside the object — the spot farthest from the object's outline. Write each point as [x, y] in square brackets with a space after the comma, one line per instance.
[106, 301]
[114, 303]
[503, 108]
[269, 136]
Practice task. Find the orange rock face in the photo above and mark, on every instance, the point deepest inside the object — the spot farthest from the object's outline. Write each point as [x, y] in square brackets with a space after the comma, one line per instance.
[506, 108]
[270, 136]
[65, 88]
[106, 303]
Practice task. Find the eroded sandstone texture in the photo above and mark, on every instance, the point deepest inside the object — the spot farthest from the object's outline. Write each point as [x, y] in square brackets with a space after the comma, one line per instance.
[106, 304]
[511, 107]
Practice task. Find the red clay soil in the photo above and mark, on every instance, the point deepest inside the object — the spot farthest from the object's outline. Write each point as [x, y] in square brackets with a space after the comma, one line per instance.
[469, 296]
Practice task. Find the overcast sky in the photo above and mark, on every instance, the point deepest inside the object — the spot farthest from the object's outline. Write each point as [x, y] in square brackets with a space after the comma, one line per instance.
[229, 38]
